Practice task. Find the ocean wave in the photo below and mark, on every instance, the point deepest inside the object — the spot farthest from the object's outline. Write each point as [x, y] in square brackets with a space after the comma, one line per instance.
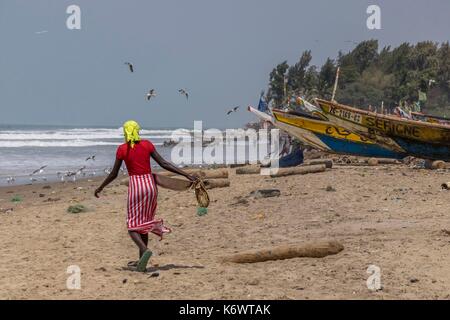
[81, 134]
[58, 143]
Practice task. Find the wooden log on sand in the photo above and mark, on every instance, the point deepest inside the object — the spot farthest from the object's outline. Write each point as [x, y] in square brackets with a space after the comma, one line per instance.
[377, 161]
[166, 182]
[202, 174]
[434, 165]
[172, 183]
[216, 183]
[327, 162]
[308, 250]
[181, 184]
[248, 170]
[298, 170]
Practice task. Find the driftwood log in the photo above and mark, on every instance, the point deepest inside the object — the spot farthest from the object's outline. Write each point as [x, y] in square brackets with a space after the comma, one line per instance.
[298, 170]
[172, 183]
[248, 170]
[377, 161]
[216, 183]
[203, 174]
[327, 162]
[180, 184]
[308, 250]
[166, 182]
[434, 165]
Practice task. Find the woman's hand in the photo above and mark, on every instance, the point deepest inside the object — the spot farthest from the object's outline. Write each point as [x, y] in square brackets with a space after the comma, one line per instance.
[97, 191]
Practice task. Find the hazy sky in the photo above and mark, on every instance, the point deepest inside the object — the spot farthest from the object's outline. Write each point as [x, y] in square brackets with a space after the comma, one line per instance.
[221, 51]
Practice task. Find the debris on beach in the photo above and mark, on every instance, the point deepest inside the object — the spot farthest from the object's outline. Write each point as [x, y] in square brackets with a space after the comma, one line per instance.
[435, 165]
[201, 211]
[78, 208]
[240, 201]
[6, 210]
[16, 199]
[446, 186]
[265, 193]
[330, 189]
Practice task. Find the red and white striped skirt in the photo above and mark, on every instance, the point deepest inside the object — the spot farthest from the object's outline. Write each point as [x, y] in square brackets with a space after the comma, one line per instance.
[142, 202]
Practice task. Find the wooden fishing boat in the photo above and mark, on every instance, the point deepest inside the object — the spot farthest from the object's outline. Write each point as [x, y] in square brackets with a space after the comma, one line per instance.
[416, 138]
[428, 118]
[325, 136]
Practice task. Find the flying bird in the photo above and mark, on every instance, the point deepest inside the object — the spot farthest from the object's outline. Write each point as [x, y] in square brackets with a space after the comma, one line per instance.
[130, 66]
[90, 158]
[151, 94]
[40, 170]
[232, 110]
[184, 93]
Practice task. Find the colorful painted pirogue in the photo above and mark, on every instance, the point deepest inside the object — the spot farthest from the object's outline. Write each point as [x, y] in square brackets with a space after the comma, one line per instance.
[416, 138]
[325, 136]
[432, 119]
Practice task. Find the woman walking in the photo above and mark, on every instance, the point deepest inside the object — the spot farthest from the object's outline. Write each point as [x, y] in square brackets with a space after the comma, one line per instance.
[142, 189]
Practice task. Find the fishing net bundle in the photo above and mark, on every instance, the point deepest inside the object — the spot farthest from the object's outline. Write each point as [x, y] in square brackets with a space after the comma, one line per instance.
[200, 193]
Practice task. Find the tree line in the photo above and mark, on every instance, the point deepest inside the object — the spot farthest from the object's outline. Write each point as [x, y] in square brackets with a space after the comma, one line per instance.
[408, 74]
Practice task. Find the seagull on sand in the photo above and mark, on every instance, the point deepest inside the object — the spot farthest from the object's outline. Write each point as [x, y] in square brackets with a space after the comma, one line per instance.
[184, 93]
[40, 170]
[232, 110]
[130, 66]
[151, 93]
[80, 171]
[72, 174]
[10, 180]
[90, 158]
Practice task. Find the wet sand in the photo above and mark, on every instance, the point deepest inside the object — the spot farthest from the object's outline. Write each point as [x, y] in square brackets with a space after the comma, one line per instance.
[394, 217]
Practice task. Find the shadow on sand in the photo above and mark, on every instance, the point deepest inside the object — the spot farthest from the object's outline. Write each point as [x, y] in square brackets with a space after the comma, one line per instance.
[166, 267]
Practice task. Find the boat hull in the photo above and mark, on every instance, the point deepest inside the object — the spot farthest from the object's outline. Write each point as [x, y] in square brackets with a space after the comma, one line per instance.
[326, 136]
[415, 138]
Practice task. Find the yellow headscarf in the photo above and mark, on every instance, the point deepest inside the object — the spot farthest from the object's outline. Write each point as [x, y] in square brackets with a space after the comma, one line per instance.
[131, 132]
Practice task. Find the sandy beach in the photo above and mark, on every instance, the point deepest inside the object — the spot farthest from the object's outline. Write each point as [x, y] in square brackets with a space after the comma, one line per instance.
[391, 216]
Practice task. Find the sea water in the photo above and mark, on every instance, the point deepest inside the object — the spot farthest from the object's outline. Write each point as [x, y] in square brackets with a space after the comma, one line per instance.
[24, 149]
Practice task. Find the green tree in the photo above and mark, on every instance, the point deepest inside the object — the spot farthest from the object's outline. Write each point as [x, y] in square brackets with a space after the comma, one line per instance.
[297, 74]
[277, 83]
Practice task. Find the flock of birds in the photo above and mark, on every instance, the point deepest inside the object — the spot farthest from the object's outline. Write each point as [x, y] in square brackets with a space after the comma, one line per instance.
[152, 92]
[64, 176]
[82, 171]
